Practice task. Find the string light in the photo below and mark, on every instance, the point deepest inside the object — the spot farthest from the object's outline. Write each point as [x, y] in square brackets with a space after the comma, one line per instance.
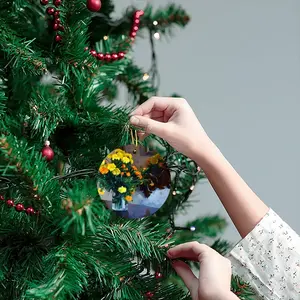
[192, 228]
[156, 35]
[155, 23]
[192, 187]
[105, 38]
[198, 169]
[174, 193]
[146, 76]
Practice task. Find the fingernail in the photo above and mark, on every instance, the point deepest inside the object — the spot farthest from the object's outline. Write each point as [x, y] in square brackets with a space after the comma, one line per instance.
[169, 254]
[134, 120]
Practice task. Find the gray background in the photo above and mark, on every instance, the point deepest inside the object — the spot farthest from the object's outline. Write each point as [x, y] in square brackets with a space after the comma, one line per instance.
[238, 65]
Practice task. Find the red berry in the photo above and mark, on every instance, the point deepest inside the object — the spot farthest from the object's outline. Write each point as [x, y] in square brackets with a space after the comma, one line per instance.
[10, 203]
[121, 55]
[58, 38]
[29, 211]
[57, 3]
[93, 53]
[57, 20]
[56, 14]
[136, 22]
[114, 56]
[1, 198]
[44, 2]
[100, 56]
[55, 26]
[133, 34]
[149, 294]
[135, 28]
[158, 275]
[50, 10]
[19, 207]
[107, 57]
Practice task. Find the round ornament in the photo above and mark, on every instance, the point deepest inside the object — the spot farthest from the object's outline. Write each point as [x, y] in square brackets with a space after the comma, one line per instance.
[93, 5]
[47, 151]
[133, 182]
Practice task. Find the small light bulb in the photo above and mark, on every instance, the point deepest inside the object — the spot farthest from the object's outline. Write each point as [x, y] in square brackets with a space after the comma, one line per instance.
[146, 76]
[105, 38]
[198, 169]
[192, 228]
[192, 187]
[157, 35]
[155, 23]
[174, 193]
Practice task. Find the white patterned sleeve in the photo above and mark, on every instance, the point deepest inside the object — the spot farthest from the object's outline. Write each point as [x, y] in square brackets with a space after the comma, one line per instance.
[269, 259]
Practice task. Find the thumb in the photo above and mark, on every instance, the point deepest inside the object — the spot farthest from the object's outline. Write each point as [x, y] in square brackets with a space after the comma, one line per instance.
[148, 125]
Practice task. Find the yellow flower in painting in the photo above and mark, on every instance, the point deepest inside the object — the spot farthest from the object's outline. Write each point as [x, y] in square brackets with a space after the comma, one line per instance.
[119, 151]
[103, 170]
[128, 198]
[128, 174]
[122, 189]
[111, 167]
[116, 172]
[125, 160]
[116, 157]
[101, 191]
[103, 162]
[134, 168]
[128, 155]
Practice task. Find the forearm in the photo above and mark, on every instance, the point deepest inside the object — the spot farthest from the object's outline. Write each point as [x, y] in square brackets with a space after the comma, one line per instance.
[242, 204]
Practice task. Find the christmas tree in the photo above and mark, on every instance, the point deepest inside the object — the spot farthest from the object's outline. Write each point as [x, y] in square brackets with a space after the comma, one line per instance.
[61, 63]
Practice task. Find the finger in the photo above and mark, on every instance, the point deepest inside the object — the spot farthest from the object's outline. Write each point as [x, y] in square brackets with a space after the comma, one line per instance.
[148, 125]
[154, 103]
[186, 274]
[191, 250]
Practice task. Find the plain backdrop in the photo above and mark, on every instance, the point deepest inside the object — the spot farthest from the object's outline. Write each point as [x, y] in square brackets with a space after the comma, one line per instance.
[238, 65]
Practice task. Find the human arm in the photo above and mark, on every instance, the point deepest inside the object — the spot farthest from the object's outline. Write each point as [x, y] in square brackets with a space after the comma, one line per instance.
[173, 120]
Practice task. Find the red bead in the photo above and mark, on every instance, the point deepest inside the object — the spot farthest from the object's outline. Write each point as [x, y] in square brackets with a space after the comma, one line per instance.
[30, 211]
[48, 153]
[93, 53]
[149, 294]
[107, 57]
[86, 48]
[135, 28]
[1, 198]
[55, 26]
[93, 5]
[50, 10]
[19, 207]
[158, 275]
[114, 56]
[61, 28]
[133, 34]
[10, 203]
[57, 3]
[136, 22]
[56, 14]
[138, 14]
[44, 2]
[100, 56]
[58, 39]
[57, 20]
[121, 55]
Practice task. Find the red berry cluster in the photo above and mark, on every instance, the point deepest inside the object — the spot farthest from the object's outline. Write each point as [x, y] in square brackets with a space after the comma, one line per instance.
[120, 55]
[51, 11]
[19, 207]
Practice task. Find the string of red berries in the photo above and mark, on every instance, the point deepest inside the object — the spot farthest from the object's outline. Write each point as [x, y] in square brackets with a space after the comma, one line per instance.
[120, 55]
[19, 207]
[51, 11]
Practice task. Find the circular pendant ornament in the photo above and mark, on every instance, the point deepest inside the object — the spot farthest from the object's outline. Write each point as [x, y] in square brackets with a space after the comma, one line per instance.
[93, 5]
[133, 182]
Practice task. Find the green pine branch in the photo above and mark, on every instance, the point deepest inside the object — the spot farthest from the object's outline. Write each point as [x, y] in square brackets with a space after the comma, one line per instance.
[241, 289]
[19, 53]
[139, 87]
[3, 97]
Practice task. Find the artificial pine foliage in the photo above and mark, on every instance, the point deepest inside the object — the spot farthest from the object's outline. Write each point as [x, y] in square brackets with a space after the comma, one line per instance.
[59, 64]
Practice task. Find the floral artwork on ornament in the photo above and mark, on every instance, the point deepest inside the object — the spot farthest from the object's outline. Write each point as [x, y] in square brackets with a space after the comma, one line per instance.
[133, 182]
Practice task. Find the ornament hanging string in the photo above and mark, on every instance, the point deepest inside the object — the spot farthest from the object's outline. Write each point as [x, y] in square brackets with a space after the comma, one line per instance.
[134, 137]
